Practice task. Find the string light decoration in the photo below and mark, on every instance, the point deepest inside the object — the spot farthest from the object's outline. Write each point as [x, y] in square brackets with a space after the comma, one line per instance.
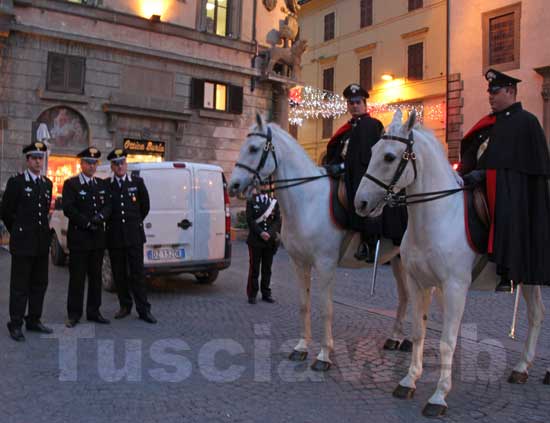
[313, 103]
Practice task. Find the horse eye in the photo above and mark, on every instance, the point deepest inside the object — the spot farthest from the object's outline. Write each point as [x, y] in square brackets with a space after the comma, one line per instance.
[253, 149]
[389, 157]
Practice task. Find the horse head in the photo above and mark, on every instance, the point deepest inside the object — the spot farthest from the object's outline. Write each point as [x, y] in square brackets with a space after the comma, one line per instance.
[257, 160]
[388, 169]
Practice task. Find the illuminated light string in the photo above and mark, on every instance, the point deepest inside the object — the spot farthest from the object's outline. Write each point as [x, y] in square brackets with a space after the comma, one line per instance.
[313, 103]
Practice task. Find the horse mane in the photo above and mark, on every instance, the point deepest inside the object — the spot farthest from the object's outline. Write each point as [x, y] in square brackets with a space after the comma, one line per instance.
[288, 140]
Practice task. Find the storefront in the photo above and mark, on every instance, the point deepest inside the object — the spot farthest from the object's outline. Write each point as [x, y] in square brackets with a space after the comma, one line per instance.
[145, 151]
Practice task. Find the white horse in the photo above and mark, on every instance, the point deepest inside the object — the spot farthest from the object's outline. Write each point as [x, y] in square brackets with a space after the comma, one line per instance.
[308, 233]
[435, 250]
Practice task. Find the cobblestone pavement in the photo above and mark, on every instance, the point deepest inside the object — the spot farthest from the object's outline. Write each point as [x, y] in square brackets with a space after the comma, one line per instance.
[215, 358]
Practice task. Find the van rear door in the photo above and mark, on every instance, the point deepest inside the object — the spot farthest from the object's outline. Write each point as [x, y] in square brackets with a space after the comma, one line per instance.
[210, 215]
[169, 227]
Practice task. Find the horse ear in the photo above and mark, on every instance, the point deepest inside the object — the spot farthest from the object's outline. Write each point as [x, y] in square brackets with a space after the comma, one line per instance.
[411, 121]
[259, 121]
[397, 117]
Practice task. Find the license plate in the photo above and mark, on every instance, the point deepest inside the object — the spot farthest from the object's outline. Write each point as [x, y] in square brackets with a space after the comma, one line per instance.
[166, 254]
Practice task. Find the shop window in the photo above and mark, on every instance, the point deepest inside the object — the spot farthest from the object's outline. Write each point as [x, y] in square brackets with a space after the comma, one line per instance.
[501, 38]
[415, 64]
[329, 26]
[65, 73]
[365, 73]
[218, 96]
[60, 168]
[366, 13]
[415, 4]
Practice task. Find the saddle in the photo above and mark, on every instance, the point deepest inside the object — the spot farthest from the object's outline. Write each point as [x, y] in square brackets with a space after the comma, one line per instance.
[339, 207]
[477, 219]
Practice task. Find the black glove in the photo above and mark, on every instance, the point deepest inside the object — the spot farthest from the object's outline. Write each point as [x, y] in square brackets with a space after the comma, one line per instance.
[334, 169]
[475, 177]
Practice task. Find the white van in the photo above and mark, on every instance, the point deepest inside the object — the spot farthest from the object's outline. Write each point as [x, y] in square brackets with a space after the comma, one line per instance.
[188, 226]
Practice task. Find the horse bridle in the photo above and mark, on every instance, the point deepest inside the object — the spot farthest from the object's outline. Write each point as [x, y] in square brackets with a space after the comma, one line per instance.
[268, 148]
[392, 197]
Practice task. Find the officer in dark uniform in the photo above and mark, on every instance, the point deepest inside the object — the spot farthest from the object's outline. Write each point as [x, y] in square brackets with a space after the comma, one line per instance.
[126, 236]
[506, 151]
[349, 150]
[87, 204]
[264, 223]
[25, 207]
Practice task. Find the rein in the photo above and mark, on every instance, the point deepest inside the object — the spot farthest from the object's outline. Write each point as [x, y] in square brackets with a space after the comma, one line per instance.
[395, 199]
[270, 148]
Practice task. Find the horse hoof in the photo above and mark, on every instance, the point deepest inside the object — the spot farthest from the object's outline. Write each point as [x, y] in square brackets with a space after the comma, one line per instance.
[406, 346]
[297, 355]
[320, 366]
[391, 345]
[518, 378]
[403, 392]
[434, 410]
[546, 380]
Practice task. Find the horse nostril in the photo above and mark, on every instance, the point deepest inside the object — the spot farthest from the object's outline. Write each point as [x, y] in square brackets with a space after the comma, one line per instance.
[363, 205]
[236, 185]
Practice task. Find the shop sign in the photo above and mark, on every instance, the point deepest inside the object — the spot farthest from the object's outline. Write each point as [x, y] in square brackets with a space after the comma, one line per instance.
[144, 146]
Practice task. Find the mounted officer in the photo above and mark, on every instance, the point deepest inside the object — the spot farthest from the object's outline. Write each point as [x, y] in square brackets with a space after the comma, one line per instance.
[126, 236]
[506, 151]
[25, 207]
[86, 203]
[264, 223]
[349, 150]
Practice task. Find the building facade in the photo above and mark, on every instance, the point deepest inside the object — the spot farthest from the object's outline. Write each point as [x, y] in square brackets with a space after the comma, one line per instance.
[167, 79]
[509, 36]
[395, 49]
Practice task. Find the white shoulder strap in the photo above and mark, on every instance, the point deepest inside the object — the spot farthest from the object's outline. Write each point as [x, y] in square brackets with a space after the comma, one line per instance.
[267, 212]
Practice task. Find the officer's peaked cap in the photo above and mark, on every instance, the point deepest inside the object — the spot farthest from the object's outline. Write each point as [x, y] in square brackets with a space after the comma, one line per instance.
[91, 153]
[355, 92]
[35, 149]
[117, 155]
[498, 80]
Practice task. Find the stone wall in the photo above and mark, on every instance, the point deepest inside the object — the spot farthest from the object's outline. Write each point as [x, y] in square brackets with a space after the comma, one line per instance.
[203, 136]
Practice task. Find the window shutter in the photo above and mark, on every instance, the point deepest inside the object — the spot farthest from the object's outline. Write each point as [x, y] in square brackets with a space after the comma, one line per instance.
[365, 73]
[366, 13]
[76, 67]
[416, 61]
[56, 72]
[235, 99]
[197, 93]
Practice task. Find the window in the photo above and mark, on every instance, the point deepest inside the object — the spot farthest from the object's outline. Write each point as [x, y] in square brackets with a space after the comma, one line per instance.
[328, 85]
[329, 26]
[501, 38]
[365, 73]
[415, 4]
[217, 17]
[65, 73]
[211, 95]
[366, 13]
[415, 61]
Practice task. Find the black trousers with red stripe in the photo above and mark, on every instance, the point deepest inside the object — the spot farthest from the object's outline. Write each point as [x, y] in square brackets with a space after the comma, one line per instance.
[260, 257]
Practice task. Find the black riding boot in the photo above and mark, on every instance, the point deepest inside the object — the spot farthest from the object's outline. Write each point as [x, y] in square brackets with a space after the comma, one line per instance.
[367, 249]
[505, 285]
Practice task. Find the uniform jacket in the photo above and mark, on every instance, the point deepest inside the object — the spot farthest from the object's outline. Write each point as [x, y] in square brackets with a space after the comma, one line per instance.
[130, 207]
[255, 208]
[25, 208]
[517, 165]
[81, 202]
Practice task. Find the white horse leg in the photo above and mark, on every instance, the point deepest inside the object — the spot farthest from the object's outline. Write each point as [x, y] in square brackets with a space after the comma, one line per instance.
[303, 273]
[326, 283]
[454, 300]
[535, 315]
[420, 302]
[398, 334]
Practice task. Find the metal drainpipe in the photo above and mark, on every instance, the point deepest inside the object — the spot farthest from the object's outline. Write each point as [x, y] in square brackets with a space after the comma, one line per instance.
[255, 41]
[447, 72]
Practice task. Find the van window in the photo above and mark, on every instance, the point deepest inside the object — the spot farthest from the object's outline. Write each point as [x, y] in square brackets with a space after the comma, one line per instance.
[210, 190]
[169, 190]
